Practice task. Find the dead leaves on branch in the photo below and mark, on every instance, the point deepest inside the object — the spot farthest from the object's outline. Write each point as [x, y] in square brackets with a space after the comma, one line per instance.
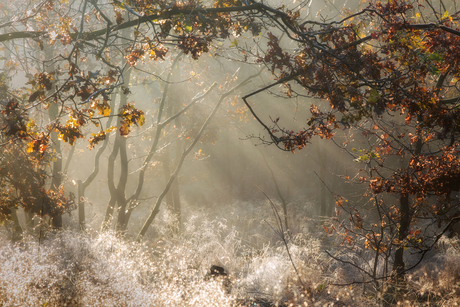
[13, 121]
[42, 82]
[39, 143]
[426, 175]
[193, 45]
[392, 74]
[98, 137]
[69, 132]
[130, 115]
[152, 51]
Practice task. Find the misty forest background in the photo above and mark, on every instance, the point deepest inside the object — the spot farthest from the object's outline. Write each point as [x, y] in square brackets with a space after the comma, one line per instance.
[290, 143]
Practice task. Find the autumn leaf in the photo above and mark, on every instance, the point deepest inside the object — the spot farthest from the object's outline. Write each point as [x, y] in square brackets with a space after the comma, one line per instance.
[35, 95]
[119, 18]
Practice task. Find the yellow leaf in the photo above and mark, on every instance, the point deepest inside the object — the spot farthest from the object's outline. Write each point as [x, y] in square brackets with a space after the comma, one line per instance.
[446, 14]
[141, 120]
[110, 129]
[31, 147]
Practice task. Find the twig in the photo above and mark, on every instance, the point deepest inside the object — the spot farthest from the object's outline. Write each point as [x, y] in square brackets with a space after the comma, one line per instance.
[281, 234]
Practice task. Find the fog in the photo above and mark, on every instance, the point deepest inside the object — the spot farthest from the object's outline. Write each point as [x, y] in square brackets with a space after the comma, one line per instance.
[230, 166]
[173, 175]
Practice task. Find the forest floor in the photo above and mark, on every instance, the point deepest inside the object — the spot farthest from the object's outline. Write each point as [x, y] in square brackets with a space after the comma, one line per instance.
[66, 268]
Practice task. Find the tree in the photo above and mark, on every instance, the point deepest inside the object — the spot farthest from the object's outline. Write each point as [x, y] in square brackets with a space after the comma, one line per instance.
[69, 84]
[23, 166]
[388, 70]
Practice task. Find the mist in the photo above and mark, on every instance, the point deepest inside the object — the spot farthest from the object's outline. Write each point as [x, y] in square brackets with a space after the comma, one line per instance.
[183, 161]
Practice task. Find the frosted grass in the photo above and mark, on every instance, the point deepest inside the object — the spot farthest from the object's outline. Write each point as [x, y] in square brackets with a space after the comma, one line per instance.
[73, 269]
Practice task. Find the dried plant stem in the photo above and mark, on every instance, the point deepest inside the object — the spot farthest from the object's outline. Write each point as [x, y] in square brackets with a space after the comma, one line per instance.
[280, 231]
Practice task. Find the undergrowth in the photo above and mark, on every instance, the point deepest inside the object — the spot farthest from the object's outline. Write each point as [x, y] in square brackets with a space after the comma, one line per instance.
[74, 269]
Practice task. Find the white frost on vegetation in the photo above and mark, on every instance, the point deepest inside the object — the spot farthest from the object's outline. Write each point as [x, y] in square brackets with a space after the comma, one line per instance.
[72, 269]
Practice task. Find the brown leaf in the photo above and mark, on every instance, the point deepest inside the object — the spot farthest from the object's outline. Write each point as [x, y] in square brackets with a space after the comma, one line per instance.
[35, 95]
[119, 18]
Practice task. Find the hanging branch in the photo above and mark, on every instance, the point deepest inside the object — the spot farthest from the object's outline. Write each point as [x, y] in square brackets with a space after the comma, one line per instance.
[272, 175]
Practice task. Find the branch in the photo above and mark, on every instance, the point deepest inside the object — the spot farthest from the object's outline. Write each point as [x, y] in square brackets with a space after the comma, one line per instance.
[156, 207]
[349, 263]
[25, 18]
[274, 138]
[21, 34]
[430, 26]
[162, 15]
[159, 16]
[153, 148]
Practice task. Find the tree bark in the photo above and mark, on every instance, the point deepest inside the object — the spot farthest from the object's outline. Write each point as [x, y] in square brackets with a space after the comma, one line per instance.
[81, 206]
[54, 114]
[17, 229]
[83, 185]
[167, 175]
[404, 224]
[110, 181]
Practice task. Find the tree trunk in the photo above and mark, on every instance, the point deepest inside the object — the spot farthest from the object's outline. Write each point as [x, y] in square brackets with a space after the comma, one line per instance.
[54, 113]
[110, 181]
[167, 174]
[81, 206]
[177, 203]
[404, 224]
[17, 229]
[120, 192]
[175, 186]
[121, 188]
[156, 207]
[29, 217]
[83, 185]
[404, 221]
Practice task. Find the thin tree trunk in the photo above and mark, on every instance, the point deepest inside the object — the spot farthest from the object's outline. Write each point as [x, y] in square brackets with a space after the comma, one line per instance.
[177, 204]
[121, 197]
[81, 206]
[405, 220]
[69, 159]
[112, 189]
[175, 188]
[83, 185]
[121, 188]
[166, 154]
[54, 113]
[17, 229]
[156, 207]
[29, 217]
[167, 176]
[160, 126]
[404, 224]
